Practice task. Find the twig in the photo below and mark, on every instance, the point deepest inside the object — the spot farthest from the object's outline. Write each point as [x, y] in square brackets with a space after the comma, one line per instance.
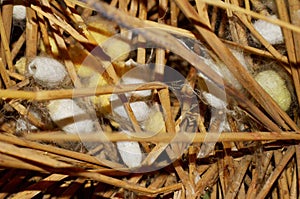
[166, 137]
[75, 93]
[16, 47]
[31, 33]
[5, 44]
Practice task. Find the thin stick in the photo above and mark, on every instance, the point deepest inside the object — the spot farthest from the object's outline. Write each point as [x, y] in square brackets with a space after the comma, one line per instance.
[141, 52]
[4, 75]
[31, 33]
[29, 155]
[75, 93]
[16, 47]
[166, 137]
[291, 39]
[35, 189]
[134, 7]
[44, 31]
[293, 188]
[15, 75]
[7, 14]
[5, 43]
[174, 14]
[12, 162]
[253, 186]
[160, 57]
[259, 52]
[50, 149]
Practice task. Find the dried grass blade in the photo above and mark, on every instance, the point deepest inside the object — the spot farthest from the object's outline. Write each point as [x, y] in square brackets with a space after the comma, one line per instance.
[16, 47]
[275, 174]
[30, 156]
[7, 161]
[48, 148]
[253, 188]
[184, 177]
[31, 33]
[238, 178]
[282, 181]
[209, 178]
[259, 52]
[75, 93]
[38, 187]
[4, 75]
[7, 13]
[5, 43]
[62, 24]
[291, 39]
[167, 138]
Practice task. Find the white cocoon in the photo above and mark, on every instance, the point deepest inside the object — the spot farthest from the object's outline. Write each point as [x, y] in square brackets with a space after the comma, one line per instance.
[130, 152]
[271, 32]
[137, 78]
[140, 109]
[213, 101]
[19, 12]
[70, 117]
[47, 71]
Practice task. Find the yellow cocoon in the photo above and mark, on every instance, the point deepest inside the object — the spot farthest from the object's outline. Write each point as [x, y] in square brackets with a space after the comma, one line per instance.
[102, 102]
[155, 123]
[21, 65]
[111, 43]
[275, 86]
[78, 56]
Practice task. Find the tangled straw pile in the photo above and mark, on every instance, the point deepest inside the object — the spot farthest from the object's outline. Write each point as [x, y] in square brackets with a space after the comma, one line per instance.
[149, 99]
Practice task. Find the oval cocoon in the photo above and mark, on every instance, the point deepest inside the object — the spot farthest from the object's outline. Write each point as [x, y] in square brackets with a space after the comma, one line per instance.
[275, 86]
[47, 72]
[70, 117]
[130, 152]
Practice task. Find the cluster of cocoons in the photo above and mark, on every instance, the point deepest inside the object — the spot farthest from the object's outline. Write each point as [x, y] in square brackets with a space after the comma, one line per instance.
[140, 109]
[71, 118]
[131, 152]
